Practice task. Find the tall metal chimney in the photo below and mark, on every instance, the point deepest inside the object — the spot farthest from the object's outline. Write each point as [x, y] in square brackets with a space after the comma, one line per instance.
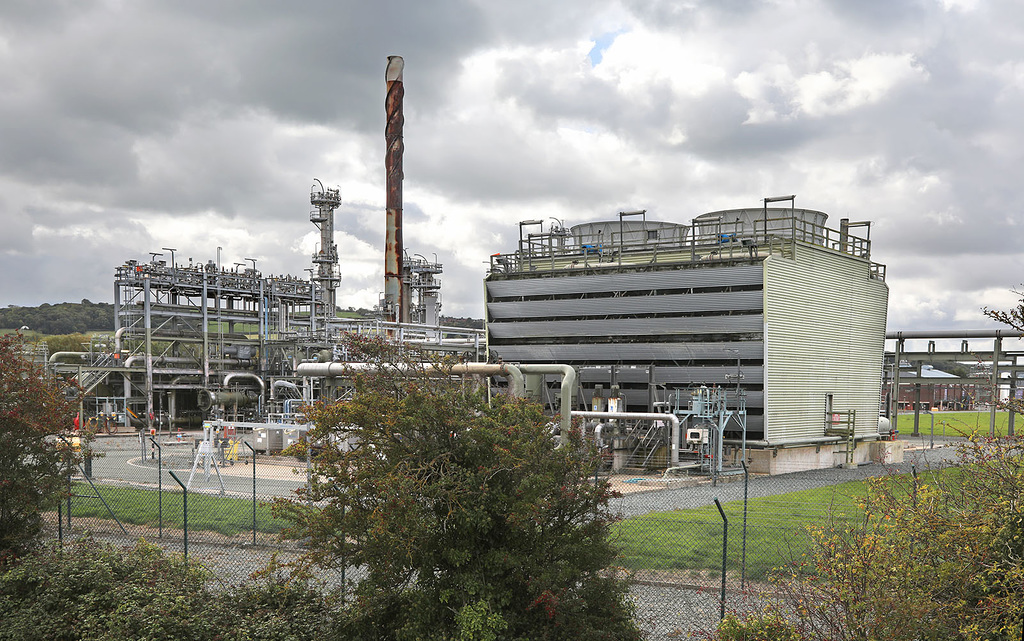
[394, 248]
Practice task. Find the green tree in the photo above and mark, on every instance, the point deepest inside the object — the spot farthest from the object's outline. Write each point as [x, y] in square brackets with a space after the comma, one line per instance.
[34, 409]
[66, 343]
[469, 520]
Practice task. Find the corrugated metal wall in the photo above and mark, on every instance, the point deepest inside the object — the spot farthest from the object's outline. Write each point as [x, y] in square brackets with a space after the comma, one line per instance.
[824, 334]
[691, 322]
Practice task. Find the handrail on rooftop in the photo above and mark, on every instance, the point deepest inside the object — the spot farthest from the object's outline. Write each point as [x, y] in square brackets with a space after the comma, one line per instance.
[707, 240]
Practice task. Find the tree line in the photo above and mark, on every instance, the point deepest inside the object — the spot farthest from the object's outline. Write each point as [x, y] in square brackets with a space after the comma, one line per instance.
[86, 316]
[62, 318]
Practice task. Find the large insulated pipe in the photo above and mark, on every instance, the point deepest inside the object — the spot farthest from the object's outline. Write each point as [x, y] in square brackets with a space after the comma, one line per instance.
[565, 394]
[671, 419]
[517, 382]
[206, 399]
[393, 244]
[117, 339]
[233, 375]
[56, 356]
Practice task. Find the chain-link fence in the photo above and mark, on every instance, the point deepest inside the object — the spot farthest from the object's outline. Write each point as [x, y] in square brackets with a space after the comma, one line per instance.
[207, 499]
[694, 547]
[697, 548]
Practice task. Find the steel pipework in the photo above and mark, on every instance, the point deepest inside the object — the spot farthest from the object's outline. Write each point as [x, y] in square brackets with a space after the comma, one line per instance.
[233, 375]
[565, 393]
[671, 419]
[517, 382]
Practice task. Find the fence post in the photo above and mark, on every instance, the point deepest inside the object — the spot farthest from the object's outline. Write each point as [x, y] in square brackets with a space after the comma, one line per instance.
[69, 501]
[253, 491]
[913, 472]
[159, 487]
[743, 563]
[184, 508]
[725, 544]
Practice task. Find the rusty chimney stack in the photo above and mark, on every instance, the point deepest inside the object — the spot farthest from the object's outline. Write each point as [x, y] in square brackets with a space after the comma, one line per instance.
[394, 248]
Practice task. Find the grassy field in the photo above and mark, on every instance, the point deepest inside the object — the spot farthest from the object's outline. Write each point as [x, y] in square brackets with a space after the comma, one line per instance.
[777, 531]
[960, 423]
[221, 514]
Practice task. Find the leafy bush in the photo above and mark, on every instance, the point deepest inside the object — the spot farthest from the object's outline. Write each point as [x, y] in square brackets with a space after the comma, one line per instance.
[469, 520]
[936, 559]
[92, 591]
[757, 627]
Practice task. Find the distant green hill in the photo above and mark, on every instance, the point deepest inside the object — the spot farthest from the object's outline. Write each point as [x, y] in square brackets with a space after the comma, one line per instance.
[62, 318]
[79, 318]
[458, 321]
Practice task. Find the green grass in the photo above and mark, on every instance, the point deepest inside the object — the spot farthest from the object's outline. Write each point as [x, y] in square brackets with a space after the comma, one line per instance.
[777, 531]
[960, 423]
[221, 514]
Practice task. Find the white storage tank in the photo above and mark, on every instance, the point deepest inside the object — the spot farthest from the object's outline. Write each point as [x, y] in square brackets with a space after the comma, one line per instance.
[606, 234]
[806, 224]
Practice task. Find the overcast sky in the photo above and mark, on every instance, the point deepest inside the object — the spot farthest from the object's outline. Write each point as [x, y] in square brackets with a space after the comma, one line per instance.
[128, 126]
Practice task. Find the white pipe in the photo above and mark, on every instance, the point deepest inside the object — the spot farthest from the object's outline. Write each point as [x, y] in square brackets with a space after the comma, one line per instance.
[672, 419]
[263, 386]
[131, 360]
[117, 339]
[276, 384]
[512, 372]
[566, 392]
[56, 355]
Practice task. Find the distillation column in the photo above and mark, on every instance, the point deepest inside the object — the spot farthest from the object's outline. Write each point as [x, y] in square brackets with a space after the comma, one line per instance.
[328, 277]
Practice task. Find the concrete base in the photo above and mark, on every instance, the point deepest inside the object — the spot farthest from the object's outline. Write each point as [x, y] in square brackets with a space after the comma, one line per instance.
[782, 460]
[887, 452]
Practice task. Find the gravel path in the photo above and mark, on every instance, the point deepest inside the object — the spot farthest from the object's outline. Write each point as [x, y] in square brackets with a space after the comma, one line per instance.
[678, 498]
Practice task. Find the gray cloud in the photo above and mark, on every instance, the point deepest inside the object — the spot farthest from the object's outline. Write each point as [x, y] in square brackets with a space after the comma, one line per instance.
[130, 126]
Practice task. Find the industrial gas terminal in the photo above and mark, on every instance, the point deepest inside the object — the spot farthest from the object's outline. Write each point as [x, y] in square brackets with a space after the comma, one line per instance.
[752, 336]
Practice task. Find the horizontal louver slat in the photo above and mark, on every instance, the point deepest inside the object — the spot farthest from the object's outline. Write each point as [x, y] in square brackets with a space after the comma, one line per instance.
[672, 303]
[628, 327]
[630, 281]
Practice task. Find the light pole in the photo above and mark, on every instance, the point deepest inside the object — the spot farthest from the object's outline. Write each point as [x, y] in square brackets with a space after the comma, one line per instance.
[172, 250]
